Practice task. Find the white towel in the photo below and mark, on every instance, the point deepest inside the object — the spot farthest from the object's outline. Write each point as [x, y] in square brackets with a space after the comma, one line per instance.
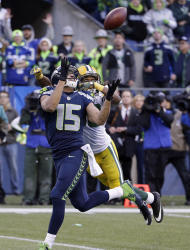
[95, 169]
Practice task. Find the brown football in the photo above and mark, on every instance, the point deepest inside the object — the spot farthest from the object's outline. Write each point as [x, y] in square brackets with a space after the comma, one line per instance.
[115, 18]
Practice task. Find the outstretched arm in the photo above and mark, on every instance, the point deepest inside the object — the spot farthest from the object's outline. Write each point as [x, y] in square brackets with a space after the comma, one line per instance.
[100, 117]
[97, 116]
[49, 103]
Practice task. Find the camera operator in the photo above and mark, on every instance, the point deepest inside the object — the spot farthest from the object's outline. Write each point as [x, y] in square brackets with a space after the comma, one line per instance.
[156, 122]
[38, 159]
[177, 154]
[3, 132]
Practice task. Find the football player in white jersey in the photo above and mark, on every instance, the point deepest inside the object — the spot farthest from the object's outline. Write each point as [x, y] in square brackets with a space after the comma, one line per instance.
[103, 147]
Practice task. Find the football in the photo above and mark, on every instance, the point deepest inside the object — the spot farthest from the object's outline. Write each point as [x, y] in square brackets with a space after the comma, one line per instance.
[115, 18]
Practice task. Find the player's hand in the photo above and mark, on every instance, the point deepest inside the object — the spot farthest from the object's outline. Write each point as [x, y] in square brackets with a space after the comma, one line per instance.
[64, 68]
[37, 71]
[111, 88]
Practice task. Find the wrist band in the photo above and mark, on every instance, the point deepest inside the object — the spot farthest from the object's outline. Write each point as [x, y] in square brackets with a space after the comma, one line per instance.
[39, 77]
[98, 86]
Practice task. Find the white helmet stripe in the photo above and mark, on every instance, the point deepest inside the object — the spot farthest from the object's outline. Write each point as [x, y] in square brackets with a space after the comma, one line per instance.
[89, 68]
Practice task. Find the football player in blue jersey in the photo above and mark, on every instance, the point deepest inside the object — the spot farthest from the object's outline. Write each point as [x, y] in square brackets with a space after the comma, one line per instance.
[65, 112]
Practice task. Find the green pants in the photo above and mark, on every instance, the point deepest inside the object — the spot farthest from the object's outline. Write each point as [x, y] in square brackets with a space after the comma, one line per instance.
[37, 174]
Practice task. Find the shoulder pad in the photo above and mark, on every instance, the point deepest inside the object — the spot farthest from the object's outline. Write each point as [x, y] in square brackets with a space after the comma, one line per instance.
[46, 90]
[86, 94]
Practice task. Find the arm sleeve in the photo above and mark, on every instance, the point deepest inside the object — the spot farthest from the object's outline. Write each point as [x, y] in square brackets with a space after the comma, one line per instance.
[148, 20]
[144, 119]
[172, 60]
[134, 130]
[3, 115]
[172, 21]
[46, 91]
[7, 30]
[147, 59]
[8, 56]
[50, 32]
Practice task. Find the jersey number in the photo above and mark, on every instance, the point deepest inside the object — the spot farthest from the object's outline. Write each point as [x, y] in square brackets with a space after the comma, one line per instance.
[65, 113]
[158, 57]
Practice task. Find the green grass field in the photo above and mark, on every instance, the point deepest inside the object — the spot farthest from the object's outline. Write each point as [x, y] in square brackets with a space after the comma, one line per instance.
[104, 231]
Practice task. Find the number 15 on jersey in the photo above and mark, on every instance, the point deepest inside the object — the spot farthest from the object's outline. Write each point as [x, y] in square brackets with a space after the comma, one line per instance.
[65, 113]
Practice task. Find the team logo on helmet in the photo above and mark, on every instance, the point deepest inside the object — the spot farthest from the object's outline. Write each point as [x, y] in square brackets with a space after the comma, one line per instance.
[87, 70]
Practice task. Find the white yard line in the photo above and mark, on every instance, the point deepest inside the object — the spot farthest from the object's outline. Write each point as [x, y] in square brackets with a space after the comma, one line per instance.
[178, 215]
[92, 211]
[56, 244]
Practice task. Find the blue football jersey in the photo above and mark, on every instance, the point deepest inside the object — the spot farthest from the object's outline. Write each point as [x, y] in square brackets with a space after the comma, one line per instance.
[64, 126]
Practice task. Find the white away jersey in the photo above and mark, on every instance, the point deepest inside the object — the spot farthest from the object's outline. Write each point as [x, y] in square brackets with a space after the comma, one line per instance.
[95, 135]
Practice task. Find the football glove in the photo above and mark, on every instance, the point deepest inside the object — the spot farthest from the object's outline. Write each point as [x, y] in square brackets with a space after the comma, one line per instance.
[111, 88]
[64, 69]
[37, 71]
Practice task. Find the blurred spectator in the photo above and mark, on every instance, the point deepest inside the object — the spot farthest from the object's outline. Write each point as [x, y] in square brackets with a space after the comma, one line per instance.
[169, 2]
[180, 10]
[159, 63]
[182, 63]
[5, 26]
[46, 59]
[135, 29]
[105, 6]
[29, 34]
[138, 102]
[97, 54]
[123, 130]
[119, 63]
[38, 159]
[18, 61]
[9, 148]
[3, 132]
[160, 17]
[1, 66]
[156, 122]
[79, 54]
[88, 6]
[66, 46]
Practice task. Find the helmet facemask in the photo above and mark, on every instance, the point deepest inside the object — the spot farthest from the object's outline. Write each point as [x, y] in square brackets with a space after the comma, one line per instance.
[87, 77]
[72, 75]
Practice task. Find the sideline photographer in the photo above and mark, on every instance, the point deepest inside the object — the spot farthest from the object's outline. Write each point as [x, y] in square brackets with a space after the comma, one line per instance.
[38, 159]
[183, 104]
[156, 122]
[177, 154]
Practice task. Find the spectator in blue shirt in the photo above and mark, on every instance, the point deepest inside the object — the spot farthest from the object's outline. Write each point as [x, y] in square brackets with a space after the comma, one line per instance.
[38, 159]
[18, 61]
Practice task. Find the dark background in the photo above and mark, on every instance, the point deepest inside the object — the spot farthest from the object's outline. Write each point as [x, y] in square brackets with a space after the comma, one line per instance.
[27, 11]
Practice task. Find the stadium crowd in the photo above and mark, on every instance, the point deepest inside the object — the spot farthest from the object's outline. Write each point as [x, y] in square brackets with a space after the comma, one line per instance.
[154, 128]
